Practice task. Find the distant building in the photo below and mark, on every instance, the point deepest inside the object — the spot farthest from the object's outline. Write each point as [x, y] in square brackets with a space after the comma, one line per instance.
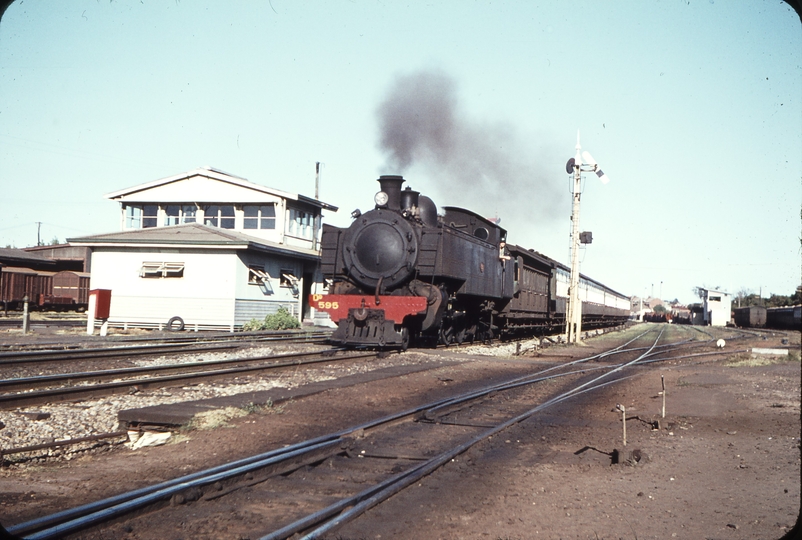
[22, 258]
[716, 307]
[65, 256]
[210, 248]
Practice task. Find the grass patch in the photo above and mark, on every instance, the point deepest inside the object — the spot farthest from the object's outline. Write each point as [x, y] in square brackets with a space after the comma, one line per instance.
[215, 419]
[220, 417]
[757, 360]
[263, 408]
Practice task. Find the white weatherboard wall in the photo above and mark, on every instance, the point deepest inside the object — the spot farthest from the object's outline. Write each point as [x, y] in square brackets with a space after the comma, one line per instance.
[212, 292]
[204, 295]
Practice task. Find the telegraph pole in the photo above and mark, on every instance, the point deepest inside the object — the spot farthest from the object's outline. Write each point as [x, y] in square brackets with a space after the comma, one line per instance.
[317, 180]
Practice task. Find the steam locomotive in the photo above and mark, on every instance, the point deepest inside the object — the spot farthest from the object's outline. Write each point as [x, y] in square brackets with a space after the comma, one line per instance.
[404, 272]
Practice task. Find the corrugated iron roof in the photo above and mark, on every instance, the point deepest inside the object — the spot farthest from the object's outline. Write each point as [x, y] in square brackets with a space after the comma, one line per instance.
[192, 234]
[14, 256]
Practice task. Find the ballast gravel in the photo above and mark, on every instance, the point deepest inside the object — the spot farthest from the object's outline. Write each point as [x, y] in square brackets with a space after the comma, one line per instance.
[65, 421]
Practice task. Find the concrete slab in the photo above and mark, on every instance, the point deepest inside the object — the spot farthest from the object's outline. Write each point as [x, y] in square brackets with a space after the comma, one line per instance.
[177, 414]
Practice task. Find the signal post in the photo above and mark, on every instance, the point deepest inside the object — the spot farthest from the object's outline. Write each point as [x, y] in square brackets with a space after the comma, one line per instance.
[573, 319]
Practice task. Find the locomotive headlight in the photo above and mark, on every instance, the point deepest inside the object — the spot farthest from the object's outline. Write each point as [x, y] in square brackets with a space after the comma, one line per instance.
[381, 199]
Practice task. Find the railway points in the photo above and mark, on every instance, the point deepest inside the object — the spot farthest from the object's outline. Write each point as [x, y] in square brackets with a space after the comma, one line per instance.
[343, 460]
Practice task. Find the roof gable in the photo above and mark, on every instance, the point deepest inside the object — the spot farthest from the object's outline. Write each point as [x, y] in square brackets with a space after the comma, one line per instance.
[206, 184]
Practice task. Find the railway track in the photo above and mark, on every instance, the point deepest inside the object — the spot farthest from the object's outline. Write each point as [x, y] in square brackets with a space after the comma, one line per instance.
[185, 339]
[64, 323]
[84, 385]
[315, 486]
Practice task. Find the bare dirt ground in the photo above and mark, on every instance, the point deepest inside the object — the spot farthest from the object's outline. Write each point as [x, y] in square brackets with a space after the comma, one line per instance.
[724, 464]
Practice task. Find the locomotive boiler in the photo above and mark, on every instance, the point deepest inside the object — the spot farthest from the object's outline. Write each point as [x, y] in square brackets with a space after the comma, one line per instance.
[405, 270]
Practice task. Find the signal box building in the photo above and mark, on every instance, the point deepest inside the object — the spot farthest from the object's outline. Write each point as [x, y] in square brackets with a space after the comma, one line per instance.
[208, 250]
[716, 308]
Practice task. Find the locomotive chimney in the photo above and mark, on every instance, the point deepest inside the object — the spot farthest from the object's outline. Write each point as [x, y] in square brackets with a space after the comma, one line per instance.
[409, 198]
[391, 185]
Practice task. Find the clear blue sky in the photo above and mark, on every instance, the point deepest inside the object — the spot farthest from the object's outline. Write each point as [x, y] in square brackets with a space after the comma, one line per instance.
[691, 107]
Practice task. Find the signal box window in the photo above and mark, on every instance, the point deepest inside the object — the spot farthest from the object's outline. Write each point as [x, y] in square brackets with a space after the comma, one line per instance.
[288, 279]
[150, 216]
[171, 213]
[219, 216]
[189, 213]
[162, 270]
[133, 217]
[179, 213]
[259, 217]
[257, 275]
[300, 224]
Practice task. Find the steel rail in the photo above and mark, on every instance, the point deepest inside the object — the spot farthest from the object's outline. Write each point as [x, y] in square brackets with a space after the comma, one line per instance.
[56, 444]
[48, 380]
[82, 516]
[91, 508]
[303, 337]
[25, 357]
[125, 506]
[18, 357]
[374, 495]
[8, 401]
[539, 376]
[430, 466]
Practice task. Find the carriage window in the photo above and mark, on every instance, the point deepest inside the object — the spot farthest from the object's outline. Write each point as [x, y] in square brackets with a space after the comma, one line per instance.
[481, 233]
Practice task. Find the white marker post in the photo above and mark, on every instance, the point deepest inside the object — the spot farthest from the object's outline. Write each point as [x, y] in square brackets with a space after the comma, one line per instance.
[623, 419]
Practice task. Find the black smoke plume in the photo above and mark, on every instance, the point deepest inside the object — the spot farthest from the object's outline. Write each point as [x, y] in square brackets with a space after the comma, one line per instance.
[482, 166]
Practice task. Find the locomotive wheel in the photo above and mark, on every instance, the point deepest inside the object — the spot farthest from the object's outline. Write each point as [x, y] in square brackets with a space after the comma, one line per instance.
[404, 338]
[447, 335]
